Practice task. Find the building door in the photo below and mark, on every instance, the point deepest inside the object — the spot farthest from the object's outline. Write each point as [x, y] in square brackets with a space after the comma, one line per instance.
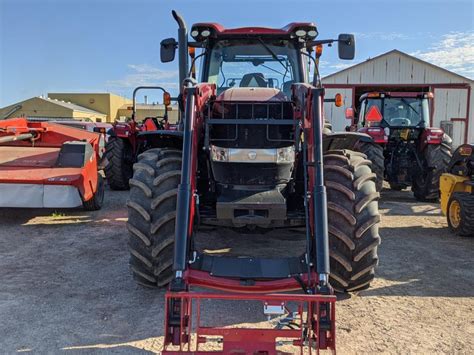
[450, 111]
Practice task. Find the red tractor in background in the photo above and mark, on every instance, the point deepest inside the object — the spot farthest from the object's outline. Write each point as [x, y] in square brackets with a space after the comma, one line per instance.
[127, 139]
[405, 151]
[250, 153]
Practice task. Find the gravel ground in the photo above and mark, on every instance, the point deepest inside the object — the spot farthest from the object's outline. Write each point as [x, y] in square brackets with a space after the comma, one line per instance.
[65, 285]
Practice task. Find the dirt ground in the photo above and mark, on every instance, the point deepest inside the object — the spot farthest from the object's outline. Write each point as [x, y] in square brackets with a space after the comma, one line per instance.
[65, 286]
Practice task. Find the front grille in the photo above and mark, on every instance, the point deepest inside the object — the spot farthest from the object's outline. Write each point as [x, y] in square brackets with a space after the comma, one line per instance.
[256, 134]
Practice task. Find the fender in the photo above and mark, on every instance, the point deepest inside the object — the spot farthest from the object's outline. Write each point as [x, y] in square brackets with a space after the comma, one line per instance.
[434, 136]
[122, 130]
[377, 134]
[344, 140]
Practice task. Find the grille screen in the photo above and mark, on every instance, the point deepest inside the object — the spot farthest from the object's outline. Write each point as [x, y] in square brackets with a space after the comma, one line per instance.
[251, 135]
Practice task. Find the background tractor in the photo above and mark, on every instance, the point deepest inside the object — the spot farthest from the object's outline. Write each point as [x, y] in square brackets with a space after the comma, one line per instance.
[249, 154]
[405, 151]
[457, 191]
[127, 139]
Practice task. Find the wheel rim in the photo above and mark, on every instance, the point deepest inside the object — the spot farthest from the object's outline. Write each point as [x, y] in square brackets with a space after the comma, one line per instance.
[455, 214]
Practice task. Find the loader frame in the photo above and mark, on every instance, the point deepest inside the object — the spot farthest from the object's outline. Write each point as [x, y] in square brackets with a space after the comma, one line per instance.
[317, 328]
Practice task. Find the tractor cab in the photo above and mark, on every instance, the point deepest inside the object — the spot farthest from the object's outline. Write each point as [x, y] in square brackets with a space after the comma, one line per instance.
[395, 110]
[251, 63]
[254, 57]
[394, 116]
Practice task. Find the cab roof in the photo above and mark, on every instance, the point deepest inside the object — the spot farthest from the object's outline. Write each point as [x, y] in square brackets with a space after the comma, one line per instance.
[379, 94]
[220, 31]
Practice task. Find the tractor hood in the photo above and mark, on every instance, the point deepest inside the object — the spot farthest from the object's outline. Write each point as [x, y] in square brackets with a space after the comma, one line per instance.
[252, 95]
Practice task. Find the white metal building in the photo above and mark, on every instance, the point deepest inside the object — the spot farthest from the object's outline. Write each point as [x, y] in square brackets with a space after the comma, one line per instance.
[452, 106]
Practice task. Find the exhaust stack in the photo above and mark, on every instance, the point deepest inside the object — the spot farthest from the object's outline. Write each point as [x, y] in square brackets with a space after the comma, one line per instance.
[182, 49]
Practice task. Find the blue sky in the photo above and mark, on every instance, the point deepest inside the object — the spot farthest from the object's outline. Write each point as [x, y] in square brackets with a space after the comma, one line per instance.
[104, 45]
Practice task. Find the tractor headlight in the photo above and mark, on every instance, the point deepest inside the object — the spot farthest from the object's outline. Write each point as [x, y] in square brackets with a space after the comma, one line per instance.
[300, 33]
[201, 33]
[285, 155]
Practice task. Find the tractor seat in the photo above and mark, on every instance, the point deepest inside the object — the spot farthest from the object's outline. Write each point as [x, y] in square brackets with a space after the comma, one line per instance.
[253, 80]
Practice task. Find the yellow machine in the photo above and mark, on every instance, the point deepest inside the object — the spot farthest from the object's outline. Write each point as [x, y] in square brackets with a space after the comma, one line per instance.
[457, 191]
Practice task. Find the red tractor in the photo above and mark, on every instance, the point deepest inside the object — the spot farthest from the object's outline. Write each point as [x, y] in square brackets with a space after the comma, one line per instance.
[250, 153]
[405, 151]
[127, 139]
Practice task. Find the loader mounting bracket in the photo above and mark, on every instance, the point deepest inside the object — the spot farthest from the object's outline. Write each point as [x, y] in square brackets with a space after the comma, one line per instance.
[312, 324]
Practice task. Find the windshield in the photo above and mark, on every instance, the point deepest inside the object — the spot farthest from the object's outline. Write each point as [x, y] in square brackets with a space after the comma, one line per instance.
[397, 111]
[253, 63]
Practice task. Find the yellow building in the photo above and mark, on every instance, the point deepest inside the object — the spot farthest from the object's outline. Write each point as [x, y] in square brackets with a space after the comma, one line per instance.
[41, 108]
[98, 107]
[105, 103]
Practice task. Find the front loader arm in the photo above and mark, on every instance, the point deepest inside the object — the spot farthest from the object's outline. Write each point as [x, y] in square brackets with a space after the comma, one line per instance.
[308, 102]
[196, 96]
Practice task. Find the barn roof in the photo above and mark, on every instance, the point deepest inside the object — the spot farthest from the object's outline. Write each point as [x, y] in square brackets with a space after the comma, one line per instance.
[403, 54]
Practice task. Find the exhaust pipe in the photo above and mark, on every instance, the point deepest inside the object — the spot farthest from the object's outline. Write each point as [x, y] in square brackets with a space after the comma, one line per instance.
[182, 49]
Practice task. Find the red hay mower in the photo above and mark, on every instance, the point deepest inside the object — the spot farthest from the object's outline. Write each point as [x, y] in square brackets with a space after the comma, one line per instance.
[48, 165]
[250, 153]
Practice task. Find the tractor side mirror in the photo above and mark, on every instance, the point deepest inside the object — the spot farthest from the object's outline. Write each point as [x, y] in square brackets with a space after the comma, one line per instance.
[346, 46]
[168, 50]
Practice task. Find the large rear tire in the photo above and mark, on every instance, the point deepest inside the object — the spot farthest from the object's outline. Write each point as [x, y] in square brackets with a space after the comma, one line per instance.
[425, 185]
[353, 219]
[120, 162]
[374, 153]
[152, 214]
[460, 214]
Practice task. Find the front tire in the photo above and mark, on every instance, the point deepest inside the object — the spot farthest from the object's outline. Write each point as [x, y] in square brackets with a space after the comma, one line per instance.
[460, 214]
[425, 185]
[353, 219]
[152, 215]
